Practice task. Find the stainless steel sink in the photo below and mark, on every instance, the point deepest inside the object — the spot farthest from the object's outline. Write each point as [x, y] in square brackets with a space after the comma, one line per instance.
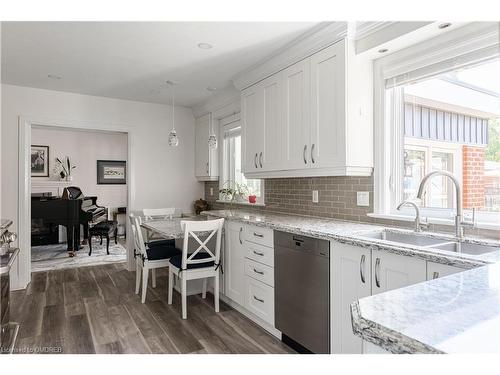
[466, 248]
[403, 238]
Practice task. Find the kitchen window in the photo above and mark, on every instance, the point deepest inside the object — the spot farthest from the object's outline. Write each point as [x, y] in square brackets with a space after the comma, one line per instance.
[231, 169]
[443, 116]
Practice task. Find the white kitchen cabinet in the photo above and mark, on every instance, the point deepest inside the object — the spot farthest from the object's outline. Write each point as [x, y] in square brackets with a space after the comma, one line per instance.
[393, 271]
[307, 121]
[296, 115]
[328, 108]
[234, 262]
[350, 280]
[436, 270]
[206, 159]
[259, 299]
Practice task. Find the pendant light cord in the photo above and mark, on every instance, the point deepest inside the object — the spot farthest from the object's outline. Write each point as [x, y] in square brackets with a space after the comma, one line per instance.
[173, 108]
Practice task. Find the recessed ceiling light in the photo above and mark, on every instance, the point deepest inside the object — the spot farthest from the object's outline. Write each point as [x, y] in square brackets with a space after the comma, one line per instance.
[383, 50]
[211, 89]
[444, 25]
[53, 76]
[204, 45]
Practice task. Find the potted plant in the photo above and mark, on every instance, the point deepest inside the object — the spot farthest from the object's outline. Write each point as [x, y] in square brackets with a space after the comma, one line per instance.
[232, 191]
[64, 168]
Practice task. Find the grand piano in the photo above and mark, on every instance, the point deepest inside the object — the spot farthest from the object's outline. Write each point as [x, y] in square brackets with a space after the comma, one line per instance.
[72, 210]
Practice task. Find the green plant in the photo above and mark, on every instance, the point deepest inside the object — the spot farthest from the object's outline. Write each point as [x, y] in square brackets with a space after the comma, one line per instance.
[232, 190]
[64, 168]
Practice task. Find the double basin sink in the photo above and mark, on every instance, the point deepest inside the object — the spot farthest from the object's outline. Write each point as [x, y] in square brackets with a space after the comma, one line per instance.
[421, 240]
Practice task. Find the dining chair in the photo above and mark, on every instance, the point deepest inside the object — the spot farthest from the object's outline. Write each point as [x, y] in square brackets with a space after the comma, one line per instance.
[203, 263]
[148, 257]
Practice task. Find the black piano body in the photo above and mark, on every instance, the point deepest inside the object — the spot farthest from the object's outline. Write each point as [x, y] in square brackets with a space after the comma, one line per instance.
[72, 210]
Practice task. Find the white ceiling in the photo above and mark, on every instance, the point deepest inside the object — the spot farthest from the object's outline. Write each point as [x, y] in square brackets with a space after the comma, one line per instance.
[132, 60]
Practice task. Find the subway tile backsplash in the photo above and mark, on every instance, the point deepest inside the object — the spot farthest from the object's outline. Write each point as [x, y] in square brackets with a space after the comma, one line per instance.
[337, 200]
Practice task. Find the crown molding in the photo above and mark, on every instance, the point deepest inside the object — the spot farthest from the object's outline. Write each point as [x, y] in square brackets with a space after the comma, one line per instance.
[321, 36]
[224, 103]
[364, 29]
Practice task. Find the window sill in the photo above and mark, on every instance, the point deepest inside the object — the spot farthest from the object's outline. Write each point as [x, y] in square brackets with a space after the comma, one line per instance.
[431, 220]
[242, 203]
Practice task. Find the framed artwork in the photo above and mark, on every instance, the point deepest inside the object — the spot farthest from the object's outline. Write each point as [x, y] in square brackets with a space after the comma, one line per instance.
[39, 161]
[111, 172]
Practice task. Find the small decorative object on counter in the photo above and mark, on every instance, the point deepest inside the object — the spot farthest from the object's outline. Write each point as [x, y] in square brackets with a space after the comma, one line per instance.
[252, 199]
[201, 205]
[233, 191]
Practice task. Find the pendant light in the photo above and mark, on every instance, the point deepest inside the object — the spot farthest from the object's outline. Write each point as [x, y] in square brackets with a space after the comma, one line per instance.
[212, 139]
[173, 140]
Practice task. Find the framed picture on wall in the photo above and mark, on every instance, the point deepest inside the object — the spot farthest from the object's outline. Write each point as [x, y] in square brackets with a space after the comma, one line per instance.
[111, 172]
[39, 161]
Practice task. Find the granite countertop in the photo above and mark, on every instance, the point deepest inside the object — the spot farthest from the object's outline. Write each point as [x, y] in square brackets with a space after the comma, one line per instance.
[354, 233]
[169, 228]
[459, 313]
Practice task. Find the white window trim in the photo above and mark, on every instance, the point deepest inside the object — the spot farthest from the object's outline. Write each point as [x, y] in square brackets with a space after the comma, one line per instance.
[226, 124]
[450, 50]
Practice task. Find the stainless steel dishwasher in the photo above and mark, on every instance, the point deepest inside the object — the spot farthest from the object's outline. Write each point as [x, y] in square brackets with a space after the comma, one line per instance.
[302, 291]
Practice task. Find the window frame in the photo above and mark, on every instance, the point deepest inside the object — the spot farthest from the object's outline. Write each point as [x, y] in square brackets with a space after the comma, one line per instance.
[228, 124]
[471, 44]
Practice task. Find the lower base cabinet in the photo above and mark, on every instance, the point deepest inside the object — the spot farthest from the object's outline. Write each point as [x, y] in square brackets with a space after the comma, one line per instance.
[350, 280]
[437, 270]
[259, 299]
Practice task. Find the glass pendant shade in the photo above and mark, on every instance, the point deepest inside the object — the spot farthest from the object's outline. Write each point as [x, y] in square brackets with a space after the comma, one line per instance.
[212, 142]
[173, 140]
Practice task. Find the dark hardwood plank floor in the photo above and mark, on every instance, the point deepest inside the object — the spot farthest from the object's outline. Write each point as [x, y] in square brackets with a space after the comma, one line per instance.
[95, 310]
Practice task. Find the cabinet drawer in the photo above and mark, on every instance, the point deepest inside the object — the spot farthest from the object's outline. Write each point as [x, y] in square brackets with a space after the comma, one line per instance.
[259, 299]
[259, 235]
[259, 253]
[259, 272]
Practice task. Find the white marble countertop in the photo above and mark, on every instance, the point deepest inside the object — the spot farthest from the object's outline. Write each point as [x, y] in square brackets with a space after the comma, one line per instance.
[352, 233]
[459, 313]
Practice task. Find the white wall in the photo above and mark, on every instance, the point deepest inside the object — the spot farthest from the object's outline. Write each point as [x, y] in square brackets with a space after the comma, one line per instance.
[84, 148]
[163, 176]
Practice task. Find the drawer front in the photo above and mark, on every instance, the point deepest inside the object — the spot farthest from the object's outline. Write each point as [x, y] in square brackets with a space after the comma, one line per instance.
[259, 235]
[259, 253]
[259, 299]
[259, 272]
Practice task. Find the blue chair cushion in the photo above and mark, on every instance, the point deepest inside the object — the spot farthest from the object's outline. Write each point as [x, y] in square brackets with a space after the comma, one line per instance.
[176, 261]
[161, 243]
[161, 252]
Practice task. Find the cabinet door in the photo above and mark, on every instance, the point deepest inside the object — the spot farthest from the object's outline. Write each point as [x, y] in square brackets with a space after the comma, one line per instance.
[270, 151]
[296, 116]
[436, 270]
[234, 263]
[202, 156]
[350, 280]
[252, 126]
[392, 271]
[328, 107]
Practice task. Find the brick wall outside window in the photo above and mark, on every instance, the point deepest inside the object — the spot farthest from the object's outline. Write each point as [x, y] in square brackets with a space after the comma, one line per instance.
[473, 176]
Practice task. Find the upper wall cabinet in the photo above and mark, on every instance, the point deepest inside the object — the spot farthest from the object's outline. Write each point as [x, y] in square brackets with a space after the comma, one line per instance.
[206, 161]
[296, 122]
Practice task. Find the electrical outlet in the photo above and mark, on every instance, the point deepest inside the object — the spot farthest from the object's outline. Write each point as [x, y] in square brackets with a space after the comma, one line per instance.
[315, 196]
[363, 198]
[211, 191]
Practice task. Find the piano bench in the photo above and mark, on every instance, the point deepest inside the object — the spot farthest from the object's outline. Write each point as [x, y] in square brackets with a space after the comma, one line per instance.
[106, 229]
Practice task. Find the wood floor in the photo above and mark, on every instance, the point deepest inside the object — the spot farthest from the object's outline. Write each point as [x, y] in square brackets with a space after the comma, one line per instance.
[95, 310]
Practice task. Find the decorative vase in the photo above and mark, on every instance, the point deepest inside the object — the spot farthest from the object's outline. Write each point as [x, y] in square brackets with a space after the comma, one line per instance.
[69, 178]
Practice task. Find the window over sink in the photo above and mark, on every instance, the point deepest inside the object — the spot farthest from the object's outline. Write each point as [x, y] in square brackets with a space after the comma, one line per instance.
[231, 169]
[443, 116]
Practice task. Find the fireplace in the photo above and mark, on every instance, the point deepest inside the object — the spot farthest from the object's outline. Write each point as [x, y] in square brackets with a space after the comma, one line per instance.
[42, 233]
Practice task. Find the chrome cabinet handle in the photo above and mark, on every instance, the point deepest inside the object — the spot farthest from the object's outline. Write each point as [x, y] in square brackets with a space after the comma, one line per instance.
[312, 153]
[239, 235]
[260, 159]
[207, 167]
[257, 271]
[362, 268]
[435, 275]
[255, 161]
[258, 235]
[259, 254]
[377, 270]
[258, 299]
[304, 154]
